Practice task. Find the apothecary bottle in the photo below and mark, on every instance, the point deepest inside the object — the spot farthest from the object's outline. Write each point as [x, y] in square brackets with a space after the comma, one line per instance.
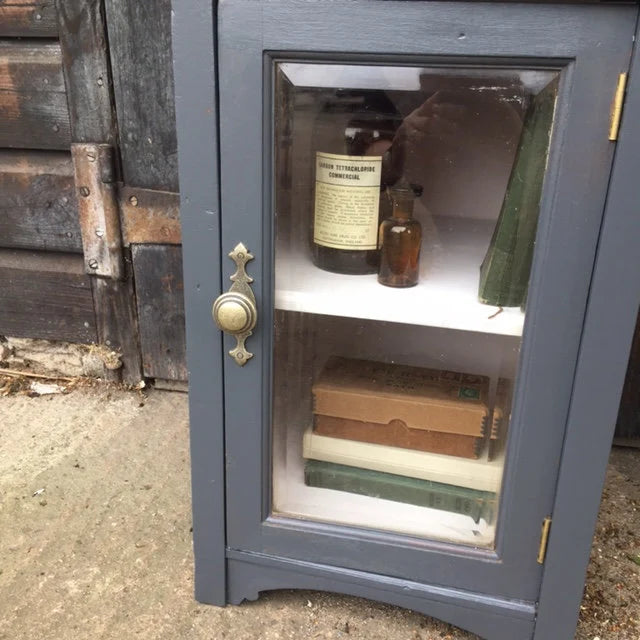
[349, 198]
[400, 239]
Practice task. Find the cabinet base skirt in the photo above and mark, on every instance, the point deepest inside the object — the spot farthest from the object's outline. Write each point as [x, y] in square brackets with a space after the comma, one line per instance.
[492, 618]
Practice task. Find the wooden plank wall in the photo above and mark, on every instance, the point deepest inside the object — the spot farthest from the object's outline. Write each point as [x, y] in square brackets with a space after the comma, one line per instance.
[38, 208]
[46, 295]
[33, 101]
[159, 291]
[83, 36]
[85, 61]
[44, 291]
[140, 40]
[148, 151]
[57, 90]
[28, 18]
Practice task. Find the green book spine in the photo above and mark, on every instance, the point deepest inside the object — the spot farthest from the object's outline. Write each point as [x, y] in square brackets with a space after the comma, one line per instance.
[504, 274]
[388, 486]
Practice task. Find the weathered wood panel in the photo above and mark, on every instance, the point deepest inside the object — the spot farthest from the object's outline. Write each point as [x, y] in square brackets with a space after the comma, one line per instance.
[86, 70]
[117, 324]
[30, 18]
[38, 208]
[33, 102]
[628, 426]
[44, 295]
[34, 120]
[140, 46]
[30, 66]
[159, 291]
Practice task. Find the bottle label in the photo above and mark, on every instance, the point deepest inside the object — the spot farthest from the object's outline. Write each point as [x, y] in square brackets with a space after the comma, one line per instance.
[347, 201]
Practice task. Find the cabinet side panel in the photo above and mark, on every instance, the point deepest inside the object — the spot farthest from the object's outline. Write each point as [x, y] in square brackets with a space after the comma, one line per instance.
[604, 352]
[193, 31]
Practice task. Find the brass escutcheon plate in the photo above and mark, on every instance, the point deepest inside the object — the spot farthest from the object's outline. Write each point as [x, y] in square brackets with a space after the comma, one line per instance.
[235, 311]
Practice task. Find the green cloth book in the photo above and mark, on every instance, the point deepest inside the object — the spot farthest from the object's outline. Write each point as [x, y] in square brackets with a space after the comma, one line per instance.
[422, 493]
[504, 273]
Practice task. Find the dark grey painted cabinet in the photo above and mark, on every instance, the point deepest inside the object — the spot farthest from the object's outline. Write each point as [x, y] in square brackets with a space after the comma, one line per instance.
[419, 231]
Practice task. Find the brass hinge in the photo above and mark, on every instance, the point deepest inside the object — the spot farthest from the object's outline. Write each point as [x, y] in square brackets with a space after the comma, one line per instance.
[617, 106]
[544, 539]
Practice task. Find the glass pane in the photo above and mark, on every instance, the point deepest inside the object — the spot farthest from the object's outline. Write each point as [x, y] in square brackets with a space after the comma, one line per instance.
[406, 206]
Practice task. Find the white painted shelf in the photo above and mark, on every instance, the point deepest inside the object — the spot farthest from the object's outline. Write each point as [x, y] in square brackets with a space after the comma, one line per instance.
[446, 296]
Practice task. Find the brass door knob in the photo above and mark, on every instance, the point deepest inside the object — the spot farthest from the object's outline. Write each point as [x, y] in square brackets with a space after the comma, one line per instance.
[235, 311]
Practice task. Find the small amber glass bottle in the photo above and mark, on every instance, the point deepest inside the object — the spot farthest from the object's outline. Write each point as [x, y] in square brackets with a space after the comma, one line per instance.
[400, 239]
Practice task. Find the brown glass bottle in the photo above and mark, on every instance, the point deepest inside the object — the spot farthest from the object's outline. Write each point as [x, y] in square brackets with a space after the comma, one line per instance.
[400, 239]
[368, 133]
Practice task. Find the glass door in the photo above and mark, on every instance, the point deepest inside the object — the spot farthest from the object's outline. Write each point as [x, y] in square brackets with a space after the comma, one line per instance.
[406, 207]
[423, 209]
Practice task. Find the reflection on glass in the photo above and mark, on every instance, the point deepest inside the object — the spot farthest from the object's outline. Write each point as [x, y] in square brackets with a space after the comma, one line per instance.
[391, 403]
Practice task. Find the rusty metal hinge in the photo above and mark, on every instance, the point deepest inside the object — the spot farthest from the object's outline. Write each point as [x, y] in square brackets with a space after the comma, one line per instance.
[616, 107]
[94, 169]
[149, 216]
[544, 539]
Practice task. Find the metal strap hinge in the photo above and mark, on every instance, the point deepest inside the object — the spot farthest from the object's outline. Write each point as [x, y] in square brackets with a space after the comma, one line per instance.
[617, 106]
[149, 216]
[94, 168]
[544, 539]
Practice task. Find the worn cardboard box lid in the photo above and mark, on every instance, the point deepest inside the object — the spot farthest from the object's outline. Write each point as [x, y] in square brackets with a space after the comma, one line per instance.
[427, 399]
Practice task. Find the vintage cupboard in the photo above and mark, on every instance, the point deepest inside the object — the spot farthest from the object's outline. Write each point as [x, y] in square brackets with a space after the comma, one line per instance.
[417, 224]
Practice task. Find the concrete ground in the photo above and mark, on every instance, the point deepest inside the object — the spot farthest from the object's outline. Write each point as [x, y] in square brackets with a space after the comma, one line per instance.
[95, 537]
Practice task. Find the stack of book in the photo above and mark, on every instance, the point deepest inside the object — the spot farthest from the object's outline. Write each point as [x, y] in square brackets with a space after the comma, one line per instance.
[405, 434]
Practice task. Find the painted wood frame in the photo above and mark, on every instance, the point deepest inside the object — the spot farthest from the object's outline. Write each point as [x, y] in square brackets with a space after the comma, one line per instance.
[604, 351]
[194, 30]
[424, 33]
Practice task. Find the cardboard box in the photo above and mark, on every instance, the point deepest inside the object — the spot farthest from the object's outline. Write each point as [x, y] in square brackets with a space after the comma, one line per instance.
[501, 417]
[409, 397]
[397, 434]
